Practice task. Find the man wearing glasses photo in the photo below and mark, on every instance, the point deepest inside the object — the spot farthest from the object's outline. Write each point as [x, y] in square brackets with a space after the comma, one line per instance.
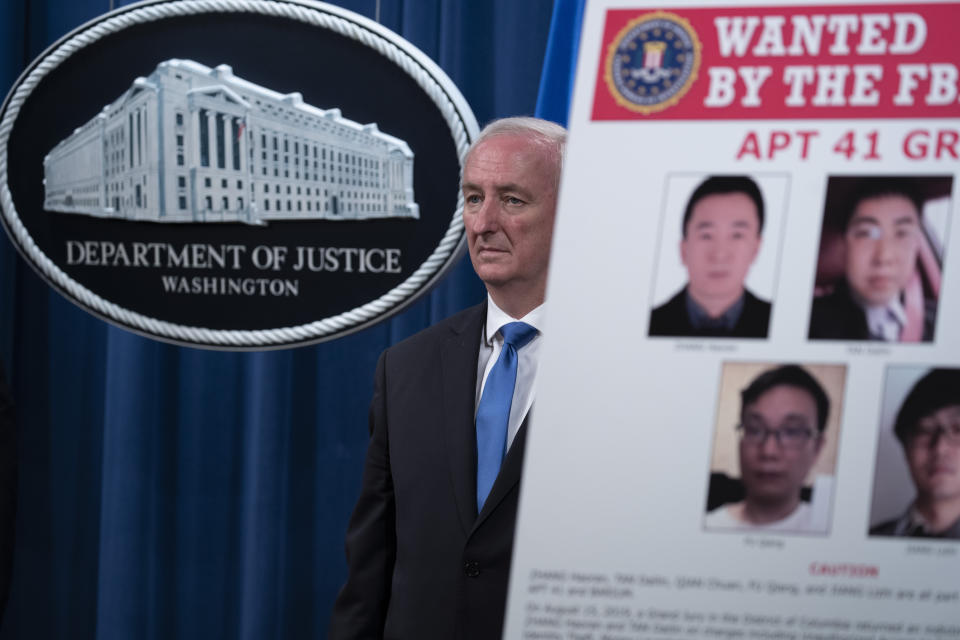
[928, 428]
[783, 416]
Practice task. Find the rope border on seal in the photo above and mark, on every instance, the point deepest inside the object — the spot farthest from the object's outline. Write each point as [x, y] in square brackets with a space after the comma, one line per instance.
[227, 338]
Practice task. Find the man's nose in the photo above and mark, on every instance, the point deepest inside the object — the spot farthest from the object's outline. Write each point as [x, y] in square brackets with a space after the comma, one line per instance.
[940, 443]
[485, 217]
[771, 444]
[720, 251]
[883, 250]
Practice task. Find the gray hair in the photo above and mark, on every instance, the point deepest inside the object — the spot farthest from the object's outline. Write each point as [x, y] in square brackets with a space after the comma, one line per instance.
[549, 135]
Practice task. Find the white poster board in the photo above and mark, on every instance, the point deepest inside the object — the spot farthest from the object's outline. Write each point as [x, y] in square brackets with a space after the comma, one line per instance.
[636, 436]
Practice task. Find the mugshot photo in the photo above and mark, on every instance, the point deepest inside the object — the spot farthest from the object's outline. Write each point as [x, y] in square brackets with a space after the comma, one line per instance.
[880, 265]
[775, 448]
[916, 488]
[719, 248]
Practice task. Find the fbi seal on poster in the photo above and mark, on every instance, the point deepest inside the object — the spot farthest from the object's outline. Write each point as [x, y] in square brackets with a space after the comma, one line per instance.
[652, 62]
[211, 182]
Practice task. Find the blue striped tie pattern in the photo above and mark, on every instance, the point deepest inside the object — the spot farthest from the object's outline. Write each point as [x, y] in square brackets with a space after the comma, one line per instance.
[493, 412]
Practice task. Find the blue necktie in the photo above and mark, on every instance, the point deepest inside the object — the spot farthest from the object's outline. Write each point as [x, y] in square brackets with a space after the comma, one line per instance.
[493, 412]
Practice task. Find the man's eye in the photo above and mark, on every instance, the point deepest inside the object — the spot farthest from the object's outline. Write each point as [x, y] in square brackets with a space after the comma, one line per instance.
[472, 198]
[866, 232]
[513, 200]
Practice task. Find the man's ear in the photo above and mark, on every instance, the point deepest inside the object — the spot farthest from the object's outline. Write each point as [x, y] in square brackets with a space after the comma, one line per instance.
[683, 250]
[821, 439]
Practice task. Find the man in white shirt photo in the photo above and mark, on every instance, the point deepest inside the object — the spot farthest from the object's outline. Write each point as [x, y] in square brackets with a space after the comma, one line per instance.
[783, 417]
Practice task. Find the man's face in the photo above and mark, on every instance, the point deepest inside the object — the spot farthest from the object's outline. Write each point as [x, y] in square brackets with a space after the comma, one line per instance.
[933, 460]
[882, 241]
[510, 198]
[720, 242]
[773, 470]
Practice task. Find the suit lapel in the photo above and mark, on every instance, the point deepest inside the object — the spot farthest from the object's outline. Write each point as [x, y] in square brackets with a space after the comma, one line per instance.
[458, 362]
[509, 474]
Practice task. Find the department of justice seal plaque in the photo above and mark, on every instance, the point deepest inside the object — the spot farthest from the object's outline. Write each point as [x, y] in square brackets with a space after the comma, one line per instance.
[235, 174]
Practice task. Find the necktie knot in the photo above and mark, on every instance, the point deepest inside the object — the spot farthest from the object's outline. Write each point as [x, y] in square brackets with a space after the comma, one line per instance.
[517, 334]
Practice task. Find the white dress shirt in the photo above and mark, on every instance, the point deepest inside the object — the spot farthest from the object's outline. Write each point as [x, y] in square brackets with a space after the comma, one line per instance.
[491, 344]
[800, 520]
[886, 322]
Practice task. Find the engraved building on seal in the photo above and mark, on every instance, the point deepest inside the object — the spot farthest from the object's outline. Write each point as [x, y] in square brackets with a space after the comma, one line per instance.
[193, 144]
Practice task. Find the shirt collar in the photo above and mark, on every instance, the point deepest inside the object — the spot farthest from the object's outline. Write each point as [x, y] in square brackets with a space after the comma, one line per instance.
[886, 321]
[700, 319]
[497, 317]
[914, 524]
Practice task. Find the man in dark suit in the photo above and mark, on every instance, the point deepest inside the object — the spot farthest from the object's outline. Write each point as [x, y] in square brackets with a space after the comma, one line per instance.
[429, 543]
[722, 228]
[880, 296]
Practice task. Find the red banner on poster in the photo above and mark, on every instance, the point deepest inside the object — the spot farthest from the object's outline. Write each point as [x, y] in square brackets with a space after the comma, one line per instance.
[854, 61]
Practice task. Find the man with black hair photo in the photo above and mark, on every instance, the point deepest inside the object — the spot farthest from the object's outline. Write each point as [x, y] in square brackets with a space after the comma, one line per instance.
[783, 417]
[928, 428]
[722, 226]
[881, 237]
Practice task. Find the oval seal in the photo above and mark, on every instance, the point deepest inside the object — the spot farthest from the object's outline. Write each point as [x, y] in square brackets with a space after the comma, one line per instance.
[235, 174]
[652, 62]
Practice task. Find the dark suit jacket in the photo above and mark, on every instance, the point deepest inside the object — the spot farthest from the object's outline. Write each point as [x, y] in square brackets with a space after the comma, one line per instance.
[422, 563]
[904, 527]
[836, 316]
[671, 319]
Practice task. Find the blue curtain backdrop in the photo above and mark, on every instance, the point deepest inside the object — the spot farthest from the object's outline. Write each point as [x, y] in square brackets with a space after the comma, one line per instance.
[168, 492]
